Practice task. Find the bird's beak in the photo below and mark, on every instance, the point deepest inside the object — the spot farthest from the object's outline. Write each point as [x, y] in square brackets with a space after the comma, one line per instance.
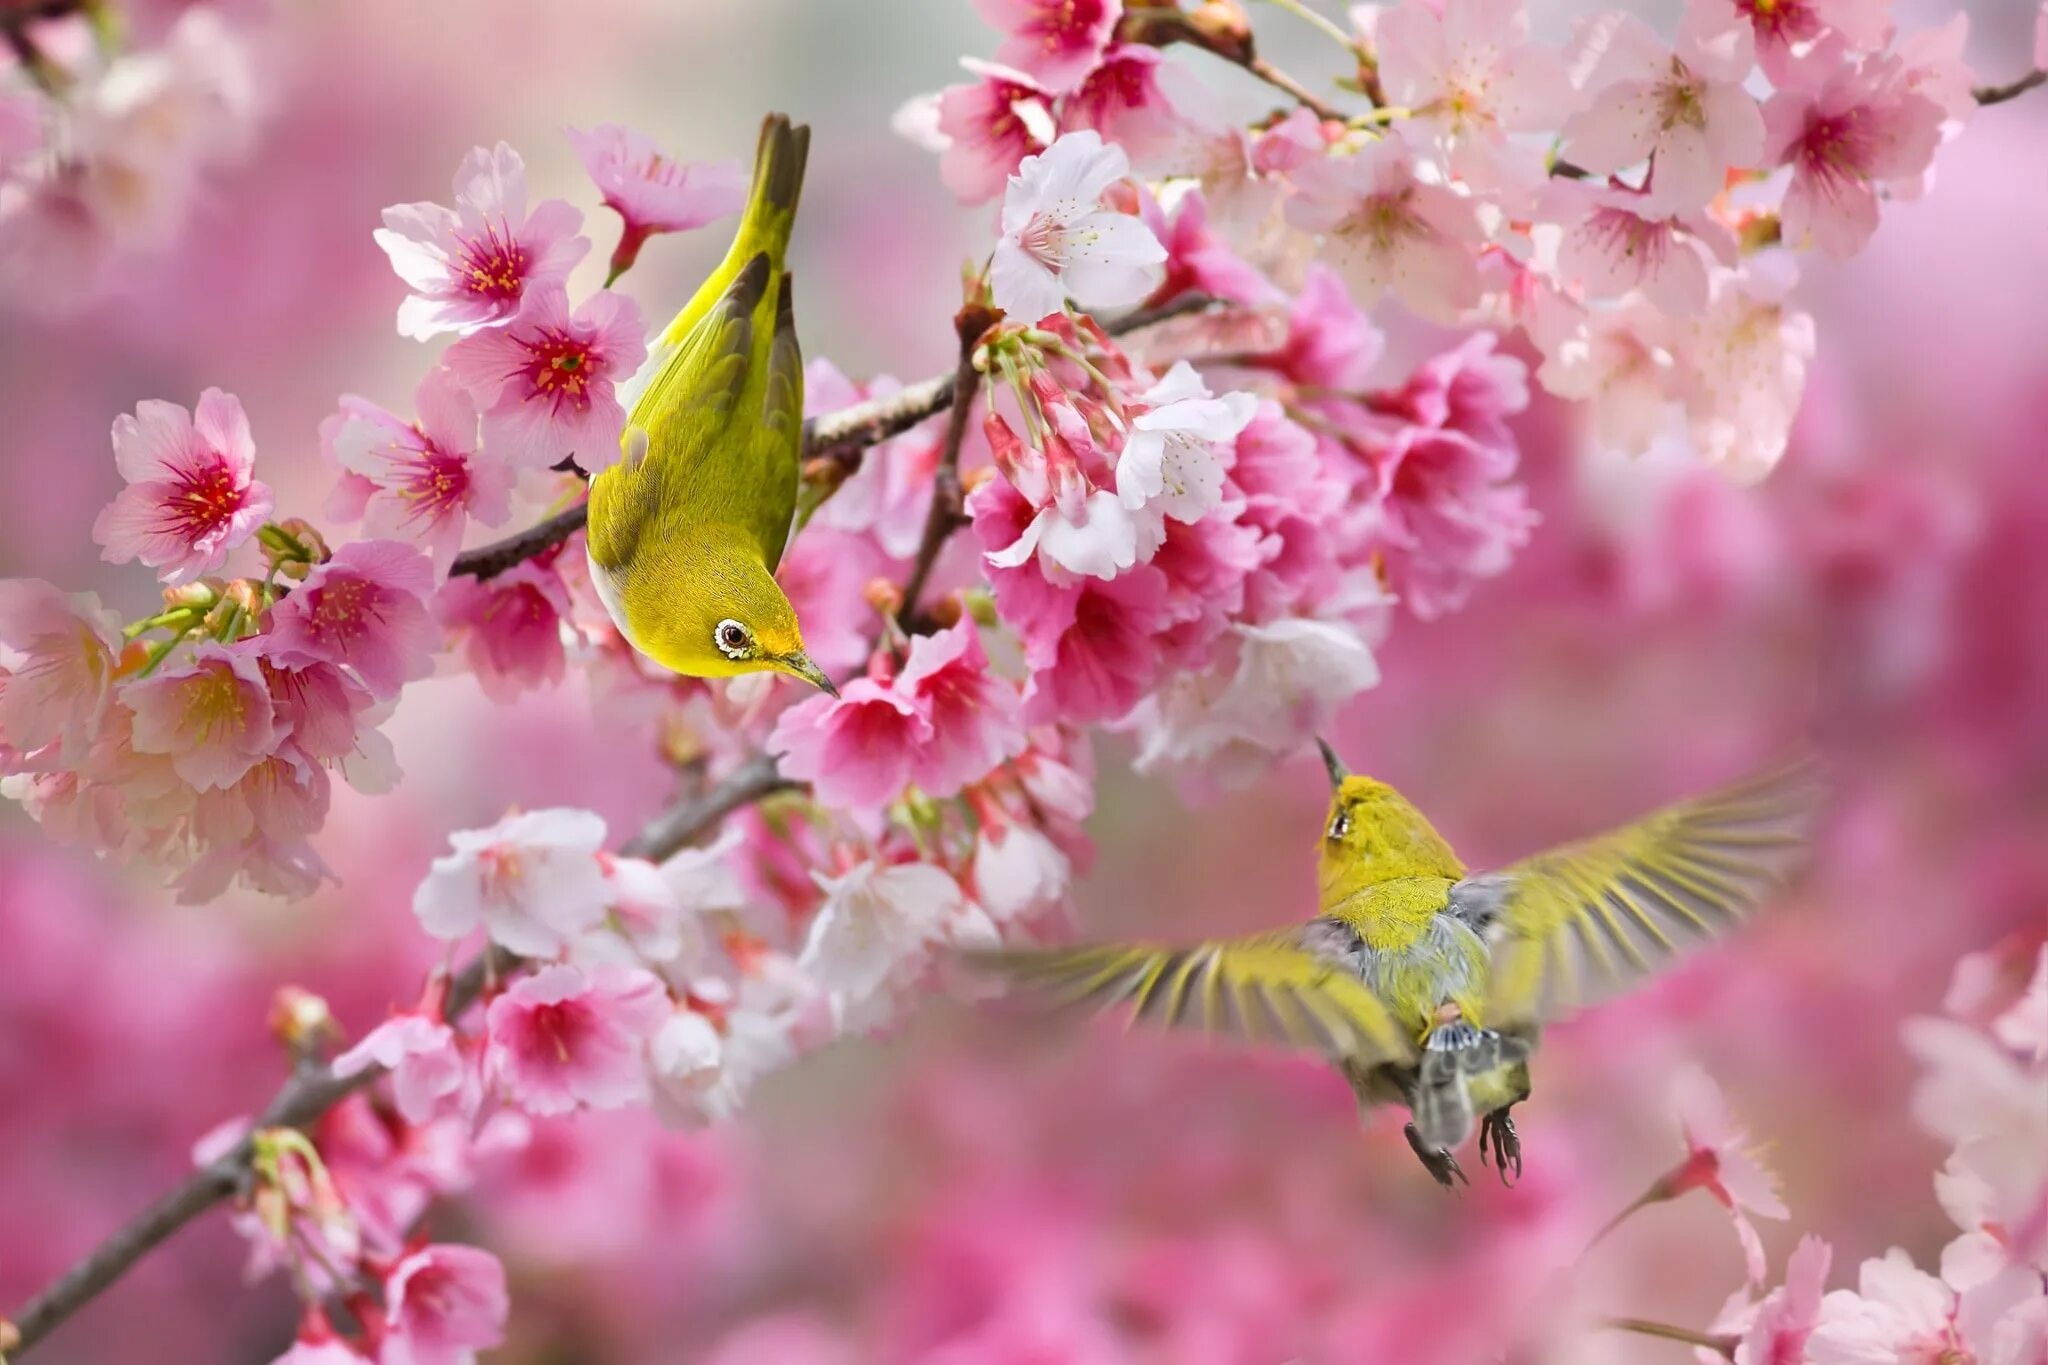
[1335, 764]
[799, 665]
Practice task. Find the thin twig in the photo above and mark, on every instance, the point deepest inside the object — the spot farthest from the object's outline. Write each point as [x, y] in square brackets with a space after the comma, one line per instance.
[844, 434]
[948, 509]
[1301, 94]
[1724, 1346]
[1999, 94]
[315, 1089]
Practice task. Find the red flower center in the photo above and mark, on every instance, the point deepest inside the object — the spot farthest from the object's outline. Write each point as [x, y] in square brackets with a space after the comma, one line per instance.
[205, 503]
[494, 265]
[561, 369]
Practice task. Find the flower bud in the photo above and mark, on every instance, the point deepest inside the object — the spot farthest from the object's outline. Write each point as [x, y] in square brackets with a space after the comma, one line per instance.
[946, 612]
[199, 596]
[301, 1020]
[884, 596]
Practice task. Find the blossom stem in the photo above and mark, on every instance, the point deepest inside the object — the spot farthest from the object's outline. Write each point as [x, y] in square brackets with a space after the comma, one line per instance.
[845, 434]
[313, 1088]
[1999, 94]
[948, 509]
[1321, 21]
[1653, 1195]
[1301, 94]
[1724, 1346]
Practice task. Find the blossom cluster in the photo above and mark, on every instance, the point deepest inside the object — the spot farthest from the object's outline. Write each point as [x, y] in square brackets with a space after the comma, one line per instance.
[106, 144]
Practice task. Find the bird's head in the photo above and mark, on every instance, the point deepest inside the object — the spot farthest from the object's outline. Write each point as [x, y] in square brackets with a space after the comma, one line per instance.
[733, 619]
[1374, 832]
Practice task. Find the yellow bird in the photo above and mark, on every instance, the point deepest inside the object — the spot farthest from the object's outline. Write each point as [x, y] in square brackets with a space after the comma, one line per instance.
[1426, 985]
[687, 528]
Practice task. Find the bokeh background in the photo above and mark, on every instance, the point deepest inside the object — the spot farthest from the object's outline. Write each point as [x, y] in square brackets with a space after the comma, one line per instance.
[973, 1189]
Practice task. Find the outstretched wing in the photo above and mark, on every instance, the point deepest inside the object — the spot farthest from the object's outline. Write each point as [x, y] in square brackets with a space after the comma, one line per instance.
[1294, 988]
[1575, 923]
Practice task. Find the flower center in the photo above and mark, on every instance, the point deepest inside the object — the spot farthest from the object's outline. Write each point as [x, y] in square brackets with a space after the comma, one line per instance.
[494, 266]
[205, 502]
[1044, 240]
[1680, 103]
[213, 703]
[561, 368]
[343, 608]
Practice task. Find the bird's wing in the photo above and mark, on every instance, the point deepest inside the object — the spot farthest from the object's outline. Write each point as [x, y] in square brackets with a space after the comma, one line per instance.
[1582, 920]
[779, 439]
[687, 414]
[1295, 987]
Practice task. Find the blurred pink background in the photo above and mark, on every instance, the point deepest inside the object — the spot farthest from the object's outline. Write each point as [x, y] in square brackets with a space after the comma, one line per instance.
[1152, 1199]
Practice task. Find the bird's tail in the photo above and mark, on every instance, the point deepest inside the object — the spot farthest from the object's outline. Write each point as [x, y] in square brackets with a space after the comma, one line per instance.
[765, 227]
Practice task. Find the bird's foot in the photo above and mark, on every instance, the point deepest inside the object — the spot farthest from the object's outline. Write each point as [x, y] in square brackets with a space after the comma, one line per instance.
[1438, 1161]
[1507, 1144]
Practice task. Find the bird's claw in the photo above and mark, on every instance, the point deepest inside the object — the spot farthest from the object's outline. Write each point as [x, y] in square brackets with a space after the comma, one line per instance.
[1507, 1144]
[1438, 1161]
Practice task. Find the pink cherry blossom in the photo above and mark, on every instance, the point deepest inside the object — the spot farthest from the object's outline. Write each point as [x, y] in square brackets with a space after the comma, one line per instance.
[1201, 260]
[1124, 100]
[1386, 230]
[317, 1344]
[1058, 240]
[651, 192]
[2023, 1026]
[1784, 1321]
[533, 881]
[1066, 523]
[972, 712]
[57, 687]
[1017, 869]
[1794, 36]
[1330, 343]
[319, 705]
[1469, 71]
[210, 711]
[422, 480]
[1858, 132]
[364, 609]
[1719, 1161]
[1617, 241]
[1618, 361]
[875, 917]
[982, 130]
[508, 626]
[1898, 1312]
[547, 381]
[1171, 464]
[649, 911]
[1742, 368]
[1934, 67]
[858, 749]
[471, 266]
[1093, 649]
[1057, 41]
[426, 1066]
[190, 497]
[1687, 108]
[564, 1039]
[887, 497]
[442, 1304]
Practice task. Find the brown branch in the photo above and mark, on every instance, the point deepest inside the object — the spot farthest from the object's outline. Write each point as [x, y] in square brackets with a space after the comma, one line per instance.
[1280, 80]
[948, 510]
[844, 434]
[1999, 94]
[314, 1089]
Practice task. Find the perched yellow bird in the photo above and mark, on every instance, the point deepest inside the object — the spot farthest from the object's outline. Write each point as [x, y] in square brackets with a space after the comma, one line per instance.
[687, 528]
[1426, 985]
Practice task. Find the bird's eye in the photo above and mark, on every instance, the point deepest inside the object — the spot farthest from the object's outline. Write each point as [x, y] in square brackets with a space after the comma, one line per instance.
[1340, 823]
[733, 639]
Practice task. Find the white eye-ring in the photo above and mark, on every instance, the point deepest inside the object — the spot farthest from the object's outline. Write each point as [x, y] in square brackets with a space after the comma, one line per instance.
[734, 641]
[1340, 823]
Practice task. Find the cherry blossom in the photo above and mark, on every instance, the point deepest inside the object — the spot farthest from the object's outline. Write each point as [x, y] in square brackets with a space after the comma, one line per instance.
[874, 917]
[210, 712]
[1900, 1312]
[1170, 462]
[652, 192]
[1057, 41]
[1058, 240]
[1016, 868]
[57, 687]
[565, 1038]
[1201, 259]
[533, 881]
[1469, 71]
[471, 266]
[1686, 108]
[1330, 343]
[1778, 1329]
[190, 497]
[1072, 528]
[1719, 1161]
[1860, 131]
[983, 130]
[509, 627]
[1125, 100]
[547, 381]
[1617, 243]
[443, 1303]
[1386, 230]
[1743, 368]
[422, 480]
[364, 609]
[972, 713]
[1093, 649]
[857, 749]
[1794, 36]
[426, 1066]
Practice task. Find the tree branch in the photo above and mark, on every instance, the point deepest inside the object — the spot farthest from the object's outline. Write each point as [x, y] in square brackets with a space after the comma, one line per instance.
[314, 1088]
[948, 504]
[1999, 94]
[845, 434]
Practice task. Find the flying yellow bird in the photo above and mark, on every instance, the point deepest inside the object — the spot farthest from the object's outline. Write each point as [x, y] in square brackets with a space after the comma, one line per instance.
[687, 528]
[1426, 985]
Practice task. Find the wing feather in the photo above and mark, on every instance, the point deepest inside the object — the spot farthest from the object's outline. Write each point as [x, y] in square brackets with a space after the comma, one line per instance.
[1286, 988]
[1577, 922]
